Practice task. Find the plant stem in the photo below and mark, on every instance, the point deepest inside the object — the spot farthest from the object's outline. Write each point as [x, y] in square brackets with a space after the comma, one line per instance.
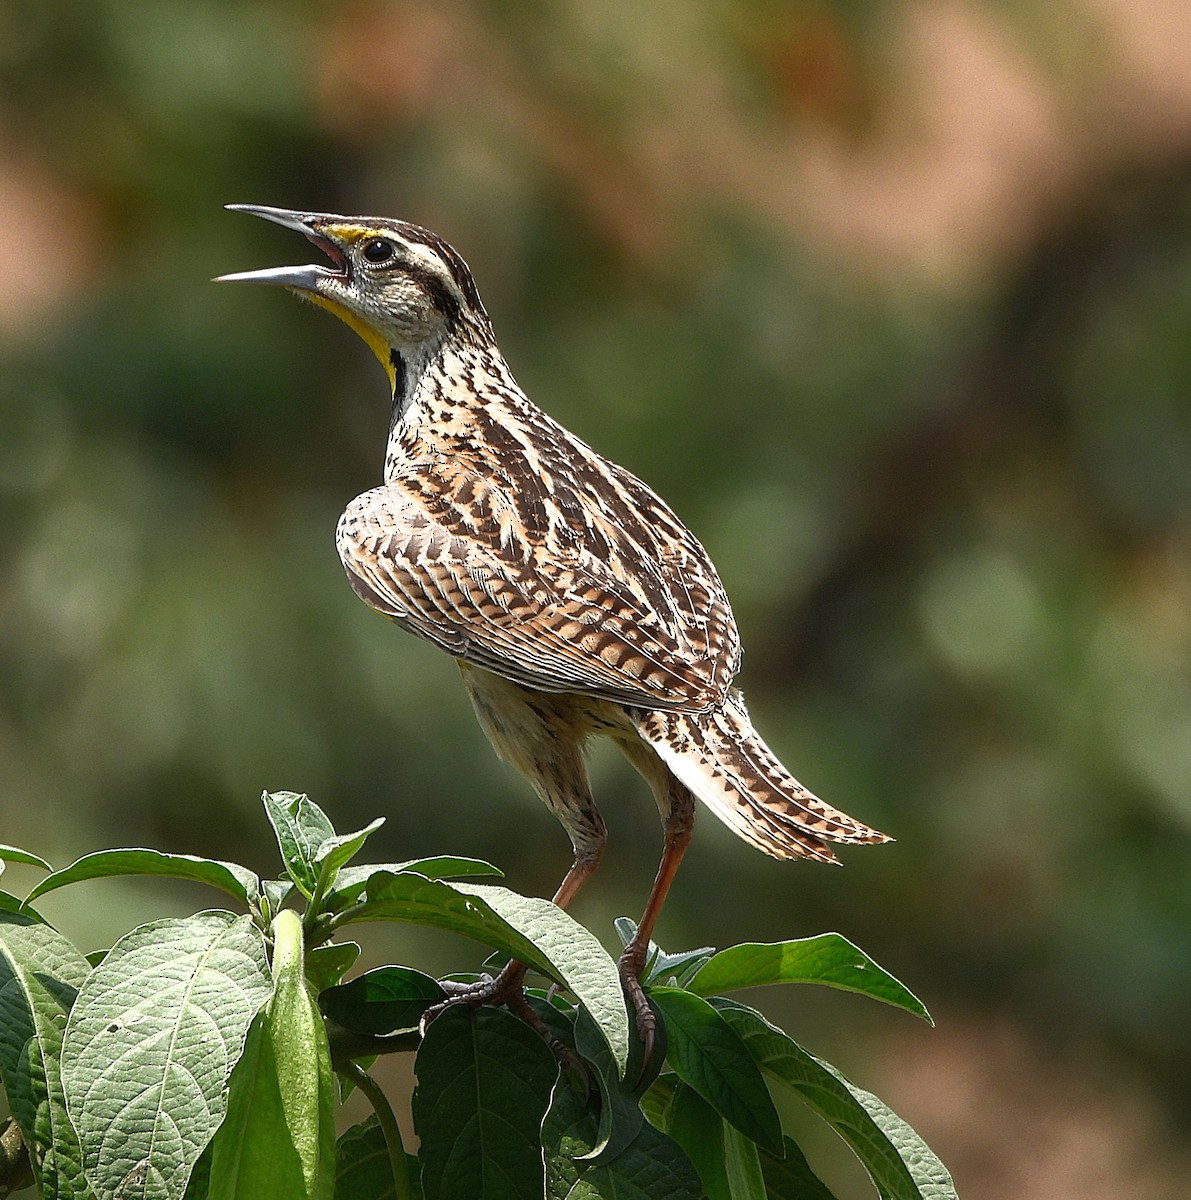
[402, 1184]
[314, 907]
[329, 924]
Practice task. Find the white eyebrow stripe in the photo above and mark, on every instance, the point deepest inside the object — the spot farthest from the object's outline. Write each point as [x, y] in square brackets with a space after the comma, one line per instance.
[425, 257]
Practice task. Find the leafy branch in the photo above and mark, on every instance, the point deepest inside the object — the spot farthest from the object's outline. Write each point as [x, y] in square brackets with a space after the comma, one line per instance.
[196, 1059]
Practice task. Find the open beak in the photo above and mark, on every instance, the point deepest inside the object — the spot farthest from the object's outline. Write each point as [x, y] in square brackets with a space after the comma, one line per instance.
[303, 278]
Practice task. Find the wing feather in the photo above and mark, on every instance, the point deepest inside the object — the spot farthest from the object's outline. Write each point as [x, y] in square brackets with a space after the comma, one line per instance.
[591, 609]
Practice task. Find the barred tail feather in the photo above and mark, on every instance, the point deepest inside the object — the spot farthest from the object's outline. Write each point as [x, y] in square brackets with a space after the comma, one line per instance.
[720, 757]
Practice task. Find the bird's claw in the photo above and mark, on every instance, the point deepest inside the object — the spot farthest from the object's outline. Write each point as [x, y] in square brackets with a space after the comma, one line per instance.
[631, 964]
[505, 990]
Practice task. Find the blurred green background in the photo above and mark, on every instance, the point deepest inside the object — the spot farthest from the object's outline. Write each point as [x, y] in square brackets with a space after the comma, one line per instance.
[890, 299]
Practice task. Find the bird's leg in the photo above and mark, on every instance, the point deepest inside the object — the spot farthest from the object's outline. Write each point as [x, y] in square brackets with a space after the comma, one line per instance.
[532, 731]
[587, 859]
[507, 988]
[680, 823]
[677, 806]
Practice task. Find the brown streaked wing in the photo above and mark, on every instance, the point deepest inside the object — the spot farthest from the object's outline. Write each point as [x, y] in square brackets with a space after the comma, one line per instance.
[558, 625]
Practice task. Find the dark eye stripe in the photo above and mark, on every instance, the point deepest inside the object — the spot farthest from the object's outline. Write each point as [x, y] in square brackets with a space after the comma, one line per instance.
[440, 295]
[459, 270]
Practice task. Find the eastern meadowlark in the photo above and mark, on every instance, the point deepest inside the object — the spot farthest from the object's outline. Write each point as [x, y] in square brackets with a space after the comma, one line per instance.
[574, 599]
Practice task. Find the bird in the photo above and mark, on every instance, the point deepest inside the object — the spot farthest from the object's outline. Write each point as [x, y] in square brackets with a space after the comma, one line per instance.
[575, 601]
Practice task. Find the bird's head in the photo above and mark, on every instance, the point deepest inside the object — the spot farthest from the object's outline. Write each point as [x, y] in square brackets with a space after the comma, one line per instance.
[400, 287]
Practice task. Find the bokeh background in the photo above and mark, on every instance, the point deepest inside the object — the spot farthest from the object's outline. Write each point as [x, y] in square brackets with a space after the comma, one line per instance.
[890, 298]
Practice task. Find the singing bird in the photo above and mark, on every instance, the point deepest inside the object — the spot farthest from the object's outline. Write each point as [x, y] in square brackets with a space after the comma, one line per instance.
[573, 598]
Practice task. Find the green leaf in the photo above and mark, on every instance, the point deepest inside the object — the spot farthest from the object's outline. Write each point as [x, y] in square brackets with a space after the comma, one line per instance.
[40, 974]
[362, 1170]
[727, 1161]
[235, 880]
[200, 1177]
[651, 1167]
[569, 1134]
[677, 968]
[535, 932]
[791, 1178]
[620, 1115]
[382, 1001]
[341, 849]
[451, 866]
[657, 1101]
[353, 881]
[301, 828]
[901, 1164]
[699, 1130]
[276, 893]
[484, 1083]
[709, 1056]
[151, 1041]
[654, 1167]
[278, 1138]
[662, 967]
[742, 1157]
[829, 958]
[326, 965]
[10, 854]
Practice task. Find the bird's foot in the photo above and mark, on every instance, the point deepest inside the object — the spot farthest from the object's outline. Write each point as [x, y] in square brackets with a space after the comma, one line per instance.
[503, 989]
[506, 990]
[631, 964]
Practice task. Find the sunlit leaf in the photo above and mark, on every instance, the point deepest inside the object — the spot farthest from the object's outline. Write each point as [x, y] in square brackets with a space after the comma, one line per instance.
[237, 881]
[152, 1038]
[341, 849]
[828, 958]
[709, 1056]
[10, 854]
[352, 882]
[40, 974]
[301, 828]
[278, 1137]
[901, 1164]
[533, 931]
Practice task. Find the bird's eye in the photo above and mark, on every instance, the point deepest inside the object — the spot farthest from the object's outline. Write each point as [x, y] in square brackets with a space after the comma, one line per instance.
[378, 250]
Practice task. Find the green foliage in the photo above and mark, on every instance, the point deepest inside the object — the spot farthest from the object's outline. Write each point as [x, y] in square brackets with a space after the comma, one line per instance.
[708, 1055]
[151, 1040]
[279, 1133]
[196, 1059]
[363, 1169]
[236, 881]
[484, 1083]
[828, 958]
[936, 443]
[40, 974]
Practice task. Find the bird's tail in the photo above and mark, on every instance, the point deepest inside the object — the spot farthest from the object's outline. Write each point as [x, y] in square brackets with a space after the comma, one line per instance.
[720, 757]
